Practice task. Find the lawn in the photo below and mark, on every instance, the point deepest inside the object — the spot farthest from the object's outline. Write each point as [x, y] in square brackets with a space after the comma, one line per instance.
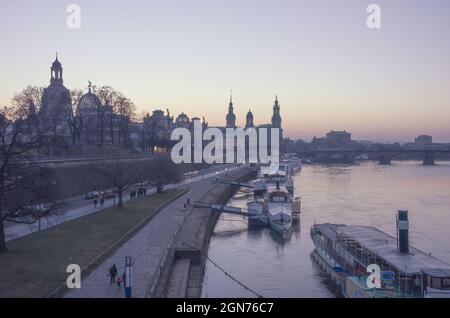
[36, 264]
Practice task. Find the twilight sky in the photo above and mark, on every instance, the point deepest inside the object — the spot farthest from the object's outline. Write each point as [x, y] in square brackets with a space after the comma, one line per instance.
[330, 71]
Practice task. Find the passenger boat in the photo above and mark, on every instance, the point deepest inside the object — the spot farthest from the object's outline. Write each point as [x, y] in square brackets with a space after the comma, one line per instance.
[346, 251]
[279, 208]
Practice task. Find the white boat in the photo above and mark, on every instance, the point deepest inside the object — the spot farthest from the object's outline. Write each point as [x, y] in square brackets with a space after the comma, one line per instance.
[279, 208]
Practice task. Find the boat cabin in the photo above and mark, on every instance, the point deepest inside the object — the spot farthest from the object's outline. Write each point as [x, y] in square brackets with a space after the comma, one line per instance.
[436, 282]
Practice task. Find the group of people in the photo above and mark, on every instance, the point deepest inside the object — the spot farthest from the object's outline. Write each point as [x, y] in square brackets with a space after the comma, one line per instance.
[102, 202]
[141, 192]
[114, 279]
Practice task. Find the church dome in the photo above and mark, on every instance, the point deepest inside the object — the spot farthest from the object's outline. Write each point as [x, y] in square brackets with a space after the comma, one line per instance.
[89, 103]
[183, 120]
[56, 101]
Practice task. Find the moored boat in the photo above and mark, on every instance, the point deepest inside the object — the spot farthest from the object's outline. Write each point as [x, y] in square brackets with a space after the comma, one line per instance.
[404, 271]
[279, 208]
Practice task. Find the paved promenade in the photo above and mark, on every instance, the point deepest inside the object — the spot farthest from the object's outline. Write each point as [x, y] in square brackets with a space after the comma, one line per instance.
[78, 207]
[147, 248]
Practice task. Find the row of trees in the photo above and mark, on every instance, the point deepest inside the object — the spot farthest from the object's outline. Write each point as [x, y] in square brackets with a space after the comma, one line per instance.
[122, 175]
[114, 114]
[110, 119]
[26, 190]
[24, 196]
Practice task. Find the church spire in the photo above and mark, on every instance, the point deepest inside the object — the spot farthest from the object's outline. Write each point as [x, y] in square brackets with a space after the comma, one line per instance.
[56, 72]
[249, 119]
[276, 117]
[231, 117]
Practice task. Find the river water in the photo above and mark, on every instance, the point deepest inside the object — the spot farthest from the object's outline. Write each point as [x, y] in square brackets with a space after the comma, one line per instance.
[364, 194]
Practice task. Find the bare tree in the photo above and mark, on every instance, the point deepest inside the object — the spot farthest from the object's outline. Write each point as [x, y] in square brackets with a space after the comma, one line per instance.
[163, 171]
[76, 116]
[27, 105]
[25, 195]
[125, 110]
[29, 95]
[107, 96]
[121, 176]
[117, 112]
[150, 133]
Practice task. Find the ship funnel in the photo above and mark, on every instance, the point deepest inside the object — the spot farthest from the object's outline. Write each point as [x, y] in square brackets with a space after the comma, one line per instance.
[402, 232]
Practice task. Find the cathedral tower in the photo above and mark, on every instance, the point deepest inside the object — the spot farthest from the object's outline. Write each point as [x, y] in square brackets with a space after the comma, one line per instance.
[276, 118]
[249, 120]
[231, 117]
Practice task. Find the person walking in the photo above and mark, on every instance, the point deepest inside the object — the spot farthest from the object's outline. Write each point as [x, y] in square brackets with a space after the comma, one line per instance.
[102, 202]
[112, 274]
[95, 203]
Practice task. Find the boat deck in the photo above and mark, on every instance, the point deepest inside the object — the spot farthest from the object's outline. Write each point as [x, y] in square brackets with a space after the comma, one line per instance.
[384, 246]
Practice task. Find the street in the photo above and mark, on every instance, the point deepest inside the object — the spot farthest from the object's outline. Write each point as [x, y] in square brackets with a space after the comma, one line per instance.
[77, 207]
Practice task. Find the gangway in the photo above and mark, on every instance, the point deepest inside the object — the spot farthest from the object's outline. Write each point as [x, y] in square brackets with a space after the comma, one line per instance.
[219, 208]
[235, 183]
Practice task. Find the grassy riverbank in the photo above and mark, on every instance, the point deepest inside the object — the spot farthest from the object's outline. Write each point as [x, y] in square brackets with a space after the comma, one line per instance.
[35, 265]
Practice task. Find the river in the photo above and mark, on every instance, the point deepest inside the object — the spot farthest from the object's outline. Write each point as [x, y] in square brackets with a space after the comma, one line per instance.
[364, 194]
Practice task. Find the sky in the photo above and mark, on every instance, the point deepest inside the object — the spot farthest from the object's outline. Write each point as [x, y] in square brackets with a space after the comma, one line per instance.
[330, 71]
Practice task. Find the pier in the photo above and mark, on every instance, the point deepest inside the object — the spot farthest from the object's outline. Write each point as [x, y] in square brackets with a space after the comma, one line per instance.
[183, 269]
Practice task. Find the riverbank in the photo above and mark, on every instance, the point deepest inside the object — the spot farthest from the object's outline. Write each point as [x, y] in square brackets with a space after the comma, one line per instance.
[149, 249]
[184, 266]
[35, 265]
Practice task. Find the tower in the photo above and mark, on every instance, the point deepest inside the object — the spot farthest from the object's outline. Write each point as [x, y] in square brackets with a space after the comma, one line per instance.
[56, 106]
[231, 117]
[56, 72]
[276, 122]
[249, 120]
[276, 118]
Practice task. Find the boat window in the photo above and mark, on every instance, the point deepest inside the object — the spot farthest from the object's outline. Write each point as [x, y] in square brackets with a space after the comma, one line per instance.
[446, 283]
[278, 199]
[436, 283]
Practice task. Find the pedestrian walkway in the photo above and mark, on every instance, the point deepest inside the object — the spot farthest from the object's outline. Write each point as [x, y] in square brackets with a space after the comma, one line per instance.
[147, 248]
[78, 207]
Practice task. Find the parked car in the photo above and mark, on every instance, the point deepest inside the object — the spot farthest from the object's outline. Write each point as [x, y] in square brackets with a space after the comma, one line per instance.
[91, 195]
[108, 194]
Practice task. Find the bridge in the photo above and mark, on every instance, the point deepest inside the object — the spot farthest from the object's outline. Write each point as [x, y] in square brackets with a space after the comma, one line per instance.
[383, 156]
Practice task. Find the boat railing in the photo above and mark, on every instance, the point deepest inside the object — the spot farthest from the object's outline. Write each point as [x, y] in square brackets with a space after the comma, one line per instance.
[338, 258]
